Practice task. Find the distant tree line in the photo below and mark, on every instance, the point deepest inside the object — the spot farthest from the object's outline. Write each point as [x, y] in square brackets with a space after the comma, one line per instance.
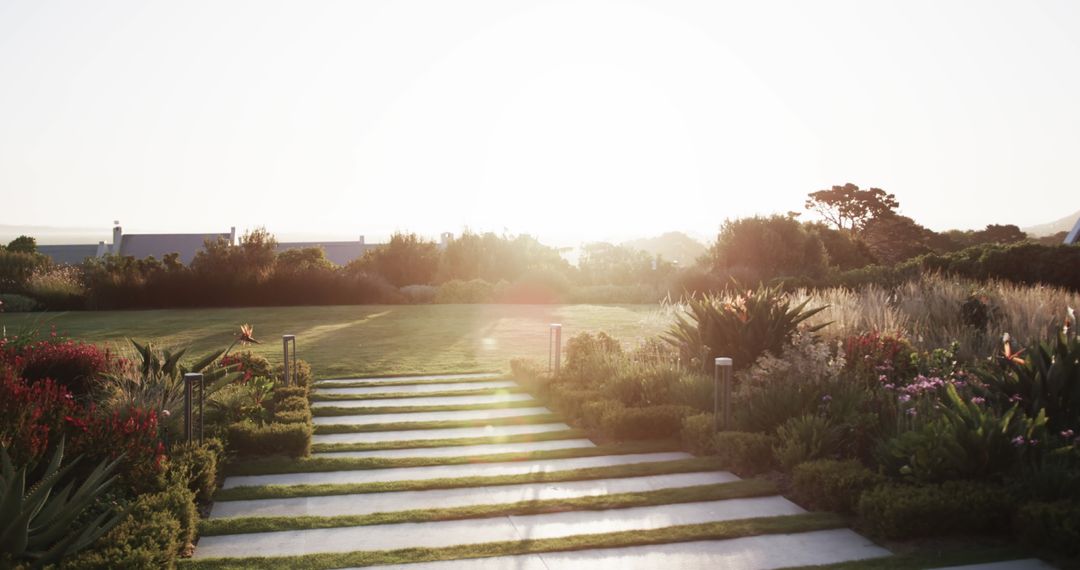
[862, 239]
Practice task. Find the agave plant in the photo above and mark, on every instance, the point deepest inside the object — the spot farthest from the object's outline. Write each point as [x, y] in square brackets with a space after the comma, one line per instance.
[41, 526]
[742, 326]
[156, 381]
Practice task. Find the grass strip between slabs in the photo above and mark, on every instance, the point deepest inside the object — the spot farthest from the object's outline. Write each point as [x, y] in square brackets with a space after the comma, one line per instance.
[360, 383]
[714, 492]
[343, 411]
[318, 397]
[683, 533]
[376, 377]
[612, 471]
[422, 443]
[928, 558]
[277, 465]
[442, 424]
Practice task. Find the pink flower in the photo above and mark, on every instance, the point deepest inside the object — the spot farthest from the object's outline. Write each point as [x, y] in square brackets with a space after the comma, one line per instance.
[978, 401]
[1067, 434]
[1018, 440]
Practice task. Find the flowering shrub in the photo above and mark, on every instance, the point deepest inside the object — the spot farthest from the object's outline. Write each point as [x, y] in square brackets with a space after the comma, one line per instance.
[132, 432]
[76, 366]
[32, 416]
[878, 355]
[250, 365]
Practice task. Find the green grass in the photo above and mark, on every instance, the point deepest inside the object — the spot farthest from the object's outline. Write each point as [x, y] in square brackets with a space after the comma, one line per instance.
[416, 444]
[340, 411]
[324, 397]
[442, 424]
[345, 341]
[714, 492]
[708, 531]
[321, 464]
[632, 470]
[362, 384]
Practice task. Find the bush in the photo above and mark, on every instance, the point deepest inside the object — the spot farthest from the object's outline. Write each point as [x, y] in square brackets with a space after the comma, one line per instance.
[654, 422]
[744, 453]
[249, 364]
[528, 372]
[1053, 525]
[593, 412]
[569, 401]
[831, 485]
[698, 435]
[247, 439]
[286, 392]
[57, 288]
[12, 303]
[419, 294]
[197, 466]
[805, 438]
[303, 376]
[160, 527]
[292, 404]
[908, 511]
[76, 366]
[293, 417]
[591, 359]
[458, 291]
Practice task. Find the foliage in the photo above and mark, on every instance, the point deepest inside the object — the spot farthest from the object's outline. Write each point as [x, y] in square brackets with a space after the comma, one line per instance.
[744, 326]
[23, 244]
[248, 439]
[472, 291]
[849, 208]
[652, 422]
[756, 250]
[248, 364]
[196, 464]
[77, 366]
[967, 440]
[1054, 525]
[591, 358]
[528, 372]
[744, 453]
[832, 485]
[909, 511]
[34, 415]
[1045, 376]
[16, 267]
[805, 438]
[14, 303]
[129, 436]
[419, 294]
[407, 259]
[56, 287]
[697, 433]
[40, 523]
[302, 261]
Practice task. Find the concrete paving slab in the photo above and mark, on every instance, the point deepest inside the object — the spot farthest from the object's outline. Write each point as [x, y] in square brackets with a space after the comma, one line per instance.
[418, 388]
[459, 415]
[448, 471]
[477, 531]
[448, 433]
[1025, 564]
[368, 503]
[764, 552]
[462, 450]
[408, 379]
[424, 401]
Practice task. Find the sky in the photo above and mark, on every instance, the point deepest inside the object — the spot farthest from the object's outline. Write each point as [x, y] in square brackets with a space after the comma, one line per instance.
[572, 121]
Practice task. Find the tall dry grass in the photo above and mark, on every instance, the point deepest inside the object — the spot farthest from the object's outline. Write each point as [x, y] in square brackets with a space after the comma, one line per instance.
[927, 312]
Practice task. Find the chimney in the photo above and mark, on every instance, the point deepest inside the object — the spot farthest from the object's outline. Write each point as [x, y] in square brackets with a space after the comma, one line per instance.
[445, 239]
[361, 239]
[232, 235]
[117, 237]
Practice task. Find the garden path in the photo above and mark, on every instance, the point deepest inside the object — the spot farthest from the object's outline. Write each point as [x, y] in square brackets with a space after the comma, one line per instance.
[403, 474]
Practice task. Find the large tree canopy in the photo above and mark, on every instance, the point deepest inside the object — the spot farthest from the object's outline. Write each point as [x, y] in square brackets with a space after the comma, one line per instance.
[849, 208]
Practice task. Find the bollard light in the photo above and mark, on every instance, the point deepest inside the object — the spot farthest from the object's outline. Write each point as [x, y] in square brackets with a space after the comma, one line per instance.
[722, 393]
[288, 363]
[190, 380]
[554, 347]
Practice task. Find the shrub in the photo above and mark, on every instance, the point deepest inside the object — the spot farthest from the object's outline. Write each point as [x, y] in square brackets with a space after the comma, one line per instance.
[698, 434]
[32, 416]
[286, 392]
[76, 366]
[1053, 525]
[293, 417]
[744, 453]
[302, 376]
[159, 527]
[458, 291]
[197, 466]
[247, 439]
[12, 303]
[593, 412]
[654, 422]
[643, 384]
[909, 511]
[805, 438]
[832, 485]
[292, 404]
[249, 364]
[591, 359]
[528, 371]
[743, 325]
[419, 294]
[57, 287]
[569, 401]
[132, 433]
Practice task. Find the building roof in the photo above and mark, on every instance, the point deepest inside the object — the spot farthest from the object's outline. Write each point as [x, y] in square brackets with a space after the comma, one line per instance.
[338, 252]
[160, 245]
[69, 254]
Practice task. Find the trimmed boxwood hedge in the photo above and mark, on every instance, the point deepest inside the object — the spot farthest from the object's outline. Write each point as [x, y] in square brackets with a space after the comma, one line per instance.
[954, 507]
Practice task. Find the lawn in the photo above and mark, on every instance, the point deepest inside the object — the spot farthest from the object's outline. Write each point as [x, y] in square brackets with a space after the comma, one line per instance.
[363, 339]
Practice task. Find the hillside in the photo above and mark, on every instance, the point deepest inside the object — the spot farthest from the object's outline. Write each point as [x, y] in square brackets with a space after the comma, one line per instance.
[674, 246]
[1063, 225]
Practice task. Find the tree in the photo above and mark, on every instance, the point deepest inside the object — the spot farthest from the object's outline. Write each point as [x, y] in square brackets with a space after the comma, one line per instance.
[302, 260]
[761, 249]
[849, 208]
[23, 244]
[407, 259]
[845, 251]
[893, 239]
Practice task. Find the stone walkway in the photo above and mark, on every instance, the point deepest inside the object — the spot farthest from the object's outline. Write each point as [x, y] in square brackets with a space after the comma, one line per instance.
[367, 396]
